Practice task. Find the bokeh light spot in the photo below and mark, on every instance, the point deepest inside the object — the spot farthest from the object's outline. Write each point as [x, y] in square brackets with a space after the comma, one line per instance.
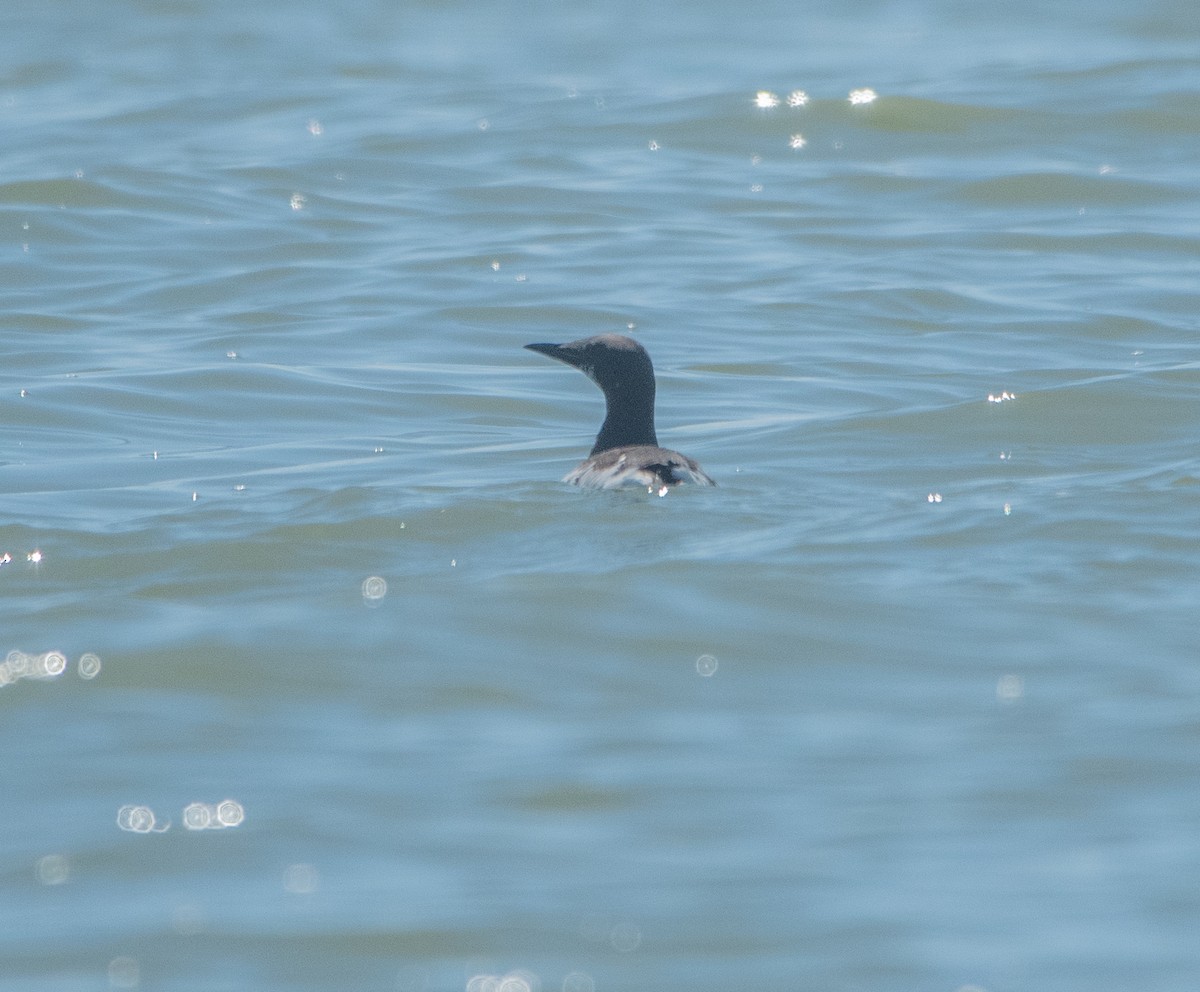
[124, 973]
[53, 869]
[204, 816]
[301, 879]
[374, 588]
[625, 937]
[136, 819]
[1010, 688]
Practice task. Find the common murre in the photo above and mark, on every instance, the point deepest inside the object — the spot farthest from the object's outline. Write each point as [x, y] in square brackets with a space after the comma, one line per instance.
[626, 450]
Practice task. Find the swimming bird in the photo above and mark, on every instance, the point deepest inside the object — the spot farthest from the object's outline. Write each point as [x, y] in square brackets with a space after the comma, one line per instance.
[626, 450]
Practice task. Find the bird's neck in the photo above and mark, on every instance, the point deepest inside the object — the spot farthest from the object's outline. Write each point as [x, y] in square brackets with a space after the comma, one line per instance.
[627, 421]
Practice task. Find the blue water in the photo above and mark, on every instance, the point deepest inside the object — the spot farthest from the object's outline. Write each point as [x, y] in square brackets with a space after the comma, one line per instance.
[313, 677]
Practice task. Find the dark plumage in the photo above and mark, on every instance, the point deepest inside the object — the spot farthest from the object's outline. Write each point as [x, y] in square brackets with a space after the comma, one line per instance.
[626, 450]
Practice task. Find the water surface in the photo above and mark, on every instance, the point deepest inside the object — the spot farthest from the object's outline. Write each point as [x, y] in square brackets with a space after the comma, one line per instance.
[908, 701]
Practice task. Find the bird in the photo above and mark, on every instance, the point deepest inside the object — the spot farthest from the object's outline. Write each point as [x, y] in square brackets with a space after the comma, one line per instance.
[626, 450]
